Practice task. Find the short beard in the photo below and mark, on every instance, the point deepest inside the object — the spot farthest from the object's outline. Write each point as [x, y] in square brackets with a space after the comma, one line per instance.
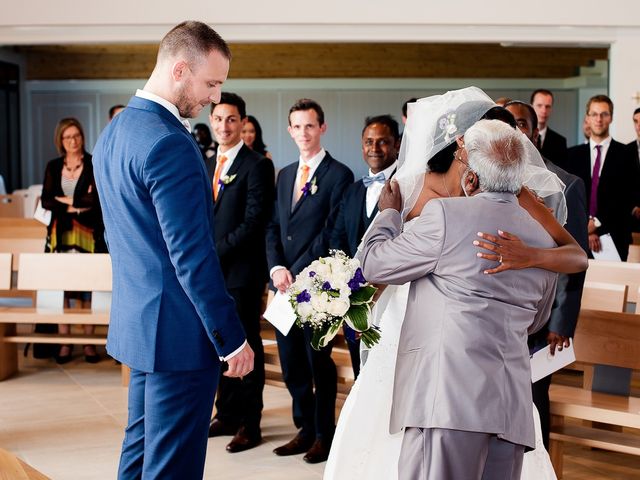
[184, 102]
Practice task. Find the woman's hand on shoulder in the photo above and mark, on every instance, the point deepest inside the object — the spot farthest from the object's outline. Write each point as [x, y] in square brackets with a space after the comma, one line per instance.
[507, 249]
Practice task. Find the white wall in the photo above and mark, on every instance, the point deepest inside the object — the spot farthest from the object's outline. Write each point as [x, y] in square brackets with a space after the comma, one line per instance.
[346, 103]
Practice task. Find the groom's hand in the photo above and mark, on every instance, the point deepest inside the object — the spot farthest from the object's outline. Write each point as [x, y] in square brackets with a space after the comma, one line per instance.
[390, 197]
[240, 364]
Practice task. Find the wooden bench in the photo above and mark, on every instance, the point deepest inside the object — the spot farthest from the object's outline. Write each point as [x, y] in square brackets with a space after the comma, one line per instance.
[621, 273]
[12, 468]
[604, 338]
[50, 275]
[12, 205]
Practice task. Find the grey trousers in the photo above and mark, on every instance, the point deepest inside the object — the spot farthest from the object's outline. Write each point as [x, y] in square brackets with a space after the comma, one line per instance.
[441, 454]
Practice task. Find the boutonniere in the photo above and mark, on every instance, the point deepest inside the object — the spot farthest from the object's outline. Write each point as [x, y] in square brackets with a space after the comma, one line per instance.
[226, 180]
[310, 188]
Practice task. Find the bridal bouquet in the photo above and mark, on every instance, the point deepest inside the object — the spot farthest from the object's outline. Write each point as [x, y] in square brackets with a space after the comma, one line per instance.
[330, 291]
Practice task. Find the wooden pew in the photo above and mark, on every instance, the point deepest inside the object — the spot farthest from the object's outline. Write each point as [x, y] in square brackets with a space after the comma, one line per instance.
[608, 297]
[50, 275]
[12, 468]
[12, 206]
[604, 338]
[621, 273]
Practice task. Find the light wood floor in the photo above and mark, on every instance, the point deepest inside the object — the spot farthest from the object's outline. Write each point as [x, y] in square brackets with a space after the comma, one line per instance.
[67, 422]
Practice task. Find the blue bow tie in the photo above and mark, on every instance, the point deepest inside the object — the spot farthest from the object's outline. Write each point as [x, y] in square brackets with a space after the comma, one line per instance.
[370, 180]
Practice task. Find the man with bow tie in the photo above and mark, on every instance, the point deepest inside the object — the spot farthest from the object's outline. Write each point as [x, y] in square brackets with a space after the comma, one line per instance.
[308, 194]
[359, 206]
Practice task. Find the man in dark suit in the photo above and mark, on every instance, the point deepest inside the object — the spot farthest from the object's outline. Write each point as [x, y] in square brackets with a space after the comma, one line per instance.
[566, 305]
[242, 183]
[359, 205]
[611, 177]
[172, 320]
[551, 144]
[308, 194]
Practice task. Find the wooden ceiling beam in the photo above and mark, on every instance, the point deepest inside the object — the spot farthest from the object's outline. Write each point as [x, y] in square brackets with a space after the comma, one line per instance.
[314, 60]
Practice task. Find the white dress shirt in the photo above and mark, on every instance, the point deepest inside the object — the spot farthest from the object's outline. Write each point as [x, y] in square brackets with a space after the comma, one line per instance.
[231, 155]
[166, 104]
[603, 153]
[542, 134]
[313, 164]
[375, 189]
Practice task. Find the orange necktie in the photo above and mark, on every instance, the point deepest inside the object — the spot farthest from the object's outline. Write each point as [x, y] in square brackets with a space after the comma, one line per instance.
[216, 176]
[303, 180]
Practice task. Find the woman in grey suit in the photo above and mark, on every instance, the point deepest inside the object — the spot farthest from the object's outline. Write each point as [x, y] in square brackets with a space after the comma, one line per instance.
[366, 412]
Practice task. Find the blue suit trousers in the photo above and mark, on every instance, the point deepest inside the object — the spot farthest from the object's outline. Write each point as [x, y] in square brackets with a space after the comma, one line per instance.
[166, 434]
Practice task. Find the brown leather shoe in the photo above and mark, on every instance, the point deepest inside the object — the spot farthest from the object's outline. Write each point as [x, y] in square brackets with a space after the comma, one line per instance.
[243, 441]
[299, 444]
[218, 428]
[317, 453]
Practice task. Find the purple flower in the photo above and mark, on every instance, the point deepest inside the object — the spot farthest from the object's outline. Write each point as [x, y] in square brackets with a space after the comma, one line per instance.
[303, 297]
[306, 189]
[221, 185]
[326, 286]
[357, 281]
[312, 274]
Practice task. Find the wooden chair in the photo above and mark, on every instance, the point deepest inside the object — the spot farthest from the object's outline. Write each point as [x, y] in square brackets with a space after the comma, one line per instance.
[12, 206]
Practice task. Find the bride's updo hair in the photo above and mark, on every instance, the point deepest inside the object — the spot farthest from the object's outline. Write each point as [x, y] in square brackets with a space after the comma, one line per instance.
[501, 113]
[442, 160]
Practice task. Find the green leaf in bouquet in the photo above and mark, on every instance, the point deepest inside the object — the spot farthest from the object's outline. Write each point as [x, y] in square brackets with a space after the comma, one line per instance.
[362, 296]
[333, 293]
[357, 317]
[322, 336]
[371, 336]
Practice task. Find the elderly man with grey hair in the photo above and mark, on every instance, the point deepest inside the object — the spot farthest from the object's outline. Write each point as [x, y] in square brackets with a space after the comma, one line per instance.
[462, 389]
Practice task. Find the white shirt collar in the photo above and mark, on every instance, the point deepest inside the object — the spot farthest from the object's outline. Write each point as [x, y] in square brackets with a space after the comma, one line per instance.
[605, 143]
[232, 153]
[166, 104]
[314, 161]
[386, 172]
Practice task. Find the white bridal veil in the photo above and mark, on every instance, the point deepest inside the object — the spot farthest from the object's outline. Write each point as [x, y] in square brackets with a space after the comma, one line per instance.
[435, 122]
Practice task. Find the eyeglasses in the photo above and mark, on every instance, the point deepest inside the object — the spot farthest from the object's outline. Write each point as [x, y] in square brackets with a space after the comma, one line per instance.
[596, 115]
[75, 136]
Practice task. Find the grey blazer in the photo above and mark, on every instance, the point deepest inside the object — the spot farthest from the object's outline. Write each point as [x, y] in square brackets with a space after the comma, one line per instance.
[463, 361]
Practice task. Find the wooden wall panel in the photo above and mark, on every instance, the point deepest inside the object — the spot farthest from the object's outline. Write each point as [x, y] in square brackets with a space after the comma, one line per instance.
[315, 60]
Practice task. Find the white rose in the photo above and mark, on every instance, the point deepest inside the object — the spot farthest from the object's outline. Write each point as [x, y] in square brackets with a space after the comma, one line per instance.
[319, 302]
[305, 309]
[323, 270]
[338, 307]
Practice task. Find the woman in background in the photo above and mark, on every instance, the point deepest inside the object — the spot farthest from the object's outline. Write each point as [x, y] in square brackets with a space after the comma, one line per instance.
[69, 191]
[252, 136]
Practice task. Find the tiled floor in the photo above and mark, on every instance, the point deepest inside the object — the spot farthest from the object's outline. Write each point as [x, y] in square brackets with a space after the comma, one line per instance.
[68, 423]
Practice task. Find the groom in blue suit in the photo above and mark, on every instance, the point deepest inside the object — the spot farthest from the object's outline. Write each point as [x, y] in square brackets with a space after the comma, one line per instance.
[172, 320]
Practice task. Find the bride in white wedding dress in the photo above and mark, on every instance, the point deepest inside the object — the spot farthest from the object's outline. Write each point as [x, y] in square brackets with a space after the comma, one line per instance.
[362, 446]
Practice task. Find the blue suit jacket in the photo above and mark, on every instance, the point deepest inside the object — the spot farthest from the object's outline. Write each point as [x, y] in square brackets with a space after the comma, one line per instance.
[297, 237]
[170, 310]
